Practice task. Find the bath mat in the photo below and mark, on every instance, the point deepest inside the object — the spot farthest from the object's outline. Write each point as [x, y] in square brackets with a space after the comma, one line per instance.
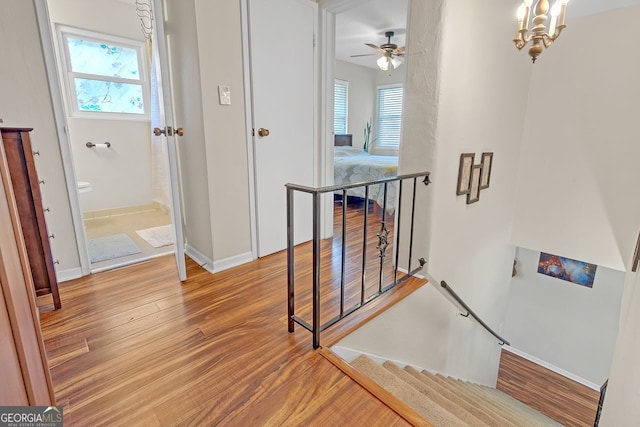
[110, 247]
[158, 236]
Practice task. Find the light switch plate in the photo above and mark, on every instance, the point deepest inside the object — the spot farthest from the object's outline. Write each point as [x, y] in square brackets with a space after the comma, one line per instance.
[224, 92]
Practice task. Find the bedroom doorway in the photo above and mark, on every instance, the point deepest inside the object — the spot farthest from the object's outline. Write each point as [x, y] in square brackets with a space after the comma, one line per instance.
[367, 99]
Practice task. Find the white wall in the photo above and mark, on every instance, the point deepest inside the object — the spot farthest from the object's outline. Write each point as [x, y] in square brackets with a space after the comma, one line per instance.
[120, 176]
[567, 325]
[387, 78]
[483, 93]
[623, 392]
[225, 134]
[362, 97]
[188, 97]
[579, 165]
[480, 89]
[26, 102]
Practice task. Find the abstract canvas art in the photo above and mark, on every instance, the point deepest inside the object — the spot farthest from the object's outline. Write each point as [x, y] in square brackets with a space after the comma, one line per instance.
[567, 269]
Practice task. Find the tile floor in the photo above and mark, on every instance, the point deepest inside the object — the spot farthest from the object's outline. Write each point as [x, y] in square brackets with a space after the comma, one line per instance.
[128, 224]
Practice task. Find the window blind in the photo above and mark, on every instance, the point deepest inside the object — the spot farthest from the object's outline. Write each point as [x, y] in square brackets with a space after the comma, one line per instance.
[389, 116]
[340, 109]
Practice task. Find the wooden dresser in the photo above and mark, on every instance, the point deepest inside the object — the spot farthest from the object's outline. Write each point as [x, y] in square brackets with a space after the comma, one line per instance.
[26, 189]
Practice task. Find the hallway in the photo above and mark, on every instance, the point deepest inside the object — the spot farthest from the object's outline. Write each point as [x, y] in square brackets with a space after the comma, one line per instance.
[135, 345]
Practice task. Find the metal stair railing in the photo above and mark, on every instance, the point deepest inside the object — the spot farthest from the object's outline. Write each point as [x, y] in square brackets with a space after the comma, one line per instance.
[315, 327]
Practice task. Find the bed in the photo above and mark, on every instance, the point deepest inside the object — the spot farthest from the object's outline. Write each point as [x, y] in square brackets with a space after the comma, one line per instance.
[352, 165]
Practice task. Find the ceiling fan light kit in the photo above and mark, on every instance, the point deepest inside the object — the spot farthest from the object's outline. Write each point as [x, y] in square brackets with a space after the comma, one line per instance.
[385, 62]
[541, 36]
[391, 54]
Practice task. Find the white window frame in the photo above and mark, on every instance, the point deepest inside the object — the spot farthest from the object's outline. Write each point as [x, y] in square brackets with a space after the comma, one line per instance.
[68, 76]
[346, 110]
[387, 148]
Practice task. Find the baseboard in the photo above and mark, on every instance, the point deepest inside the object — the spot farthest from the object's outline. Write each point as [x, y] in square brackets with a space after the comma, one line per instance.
[233, 261]
[201, 259]
[220, 265]
[551, 367]
[68, 274]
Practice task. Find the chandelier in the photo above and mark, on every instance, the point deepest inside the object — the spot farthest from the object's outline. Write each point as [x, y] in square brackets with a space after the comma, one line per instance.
[541, 36]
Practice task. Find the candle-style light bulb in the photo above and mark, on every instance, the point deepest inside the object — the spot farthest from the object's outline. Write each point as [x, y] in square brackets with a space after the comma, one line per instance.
[521, 11]
[555, 11]
[563, 11]
[525, 18]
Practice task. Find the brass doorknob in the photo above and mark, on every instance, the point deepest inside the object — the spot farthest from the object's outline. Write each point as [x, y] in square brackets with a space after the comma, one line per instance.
[180, 132]
[263, 132]
[158, 131]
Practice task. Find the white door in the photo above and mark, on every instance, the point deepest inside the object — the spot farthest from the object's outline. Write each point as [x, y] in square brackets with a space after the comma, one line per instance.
[166, 122]
[283, 80]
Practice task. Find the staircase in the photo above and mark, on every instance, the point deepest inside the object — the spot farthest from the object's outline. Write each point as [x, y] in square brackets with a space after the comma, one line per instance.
[449, 402]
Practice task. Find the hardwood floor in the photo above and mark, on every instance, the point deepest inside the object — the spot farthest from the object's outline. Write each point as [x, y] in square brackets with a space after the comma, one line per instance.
[136, 347]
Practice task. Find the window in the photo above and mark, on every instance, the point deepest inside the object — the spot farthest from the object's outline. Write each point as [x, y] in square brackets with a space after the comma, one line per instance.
[341, 107]
[389, 116]
[105, 74]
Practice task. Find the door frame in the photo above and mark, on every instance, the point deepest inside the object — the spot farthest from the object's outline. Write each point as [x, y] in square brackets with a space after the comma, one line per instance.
[319, 176]
[60, 118]
[248, 110]
[323, 105]
[42, 13]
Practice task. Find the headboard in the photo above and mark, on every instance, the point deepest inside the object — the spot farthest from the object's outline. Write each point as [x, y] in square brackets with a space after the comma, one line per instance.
[341, 140]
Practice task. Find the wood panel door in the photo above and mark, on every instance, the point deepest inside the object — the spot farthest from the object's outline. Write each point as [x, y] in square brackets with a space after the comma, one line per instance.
[283, 86]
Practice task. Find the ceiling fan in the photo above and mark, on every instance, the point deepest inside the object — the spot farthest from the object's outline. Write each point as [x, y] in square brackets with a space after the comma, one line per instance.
[391, 54]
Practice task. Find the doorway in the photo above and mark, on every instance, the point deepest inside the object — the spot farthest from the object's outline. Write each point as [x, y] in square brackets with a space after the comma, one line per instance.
[110, 100]
[351, 73]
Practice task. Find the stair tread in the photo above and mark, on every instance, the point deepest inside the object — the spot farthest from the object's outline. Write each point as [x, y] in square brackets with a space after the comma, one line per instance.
[464, 399]
[477, 398]
[513, 408]
[445, 401]
[432, 412]
[512, 414]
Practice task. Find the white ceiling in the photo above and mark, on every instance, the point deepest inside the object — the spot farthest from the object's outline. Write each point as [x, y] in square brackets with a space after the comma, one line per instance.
[577, 8]
[368, 22]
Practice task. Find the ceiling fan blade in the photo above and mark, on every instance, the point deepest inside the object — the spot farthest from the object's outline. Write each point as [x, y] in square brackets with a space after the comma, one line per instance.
[373, 46]
[366, 54]
[400, 49]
